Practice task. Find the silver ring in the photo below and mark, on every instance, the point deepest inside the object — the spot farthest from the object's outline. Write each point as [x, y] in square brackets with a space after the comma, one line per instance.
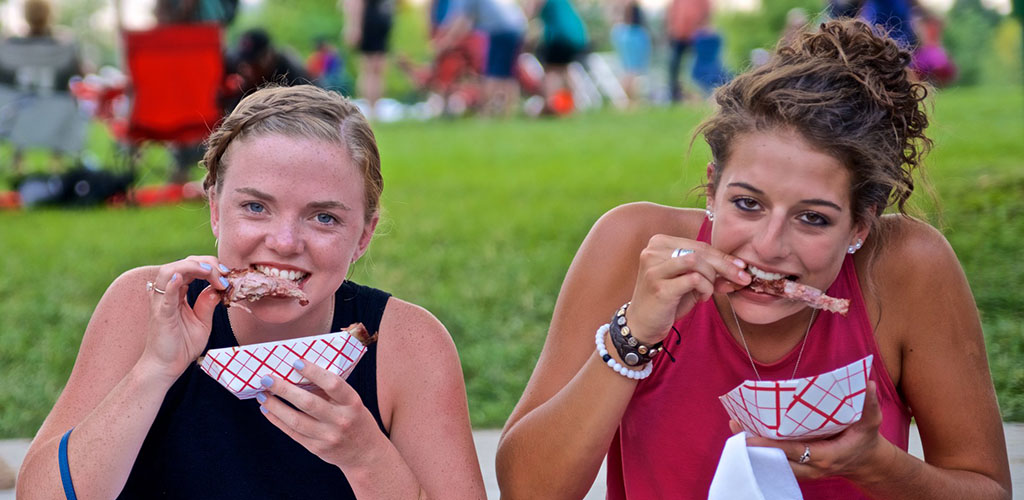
[679, 252]
[151, 287]
[806, 457]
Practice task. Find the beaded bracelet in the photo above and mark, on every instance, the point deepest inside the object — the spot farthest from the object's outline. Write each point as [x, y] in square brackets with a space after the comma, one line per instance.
[631, 351]
[615, 365]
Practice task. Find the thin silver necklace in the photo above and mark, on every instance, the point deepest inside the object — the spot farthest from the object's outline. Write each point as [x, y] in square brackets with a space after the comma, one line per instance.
[799, 356]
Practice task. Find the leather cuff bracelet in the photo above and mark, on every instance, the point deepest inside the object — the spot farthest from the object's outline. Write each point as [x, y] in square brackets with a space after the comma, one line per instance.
[630, 350]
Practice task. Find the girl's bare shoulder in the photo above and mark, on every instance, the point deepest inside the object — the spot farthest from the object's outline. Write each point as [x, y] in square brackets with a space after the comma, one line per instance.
[640, 221]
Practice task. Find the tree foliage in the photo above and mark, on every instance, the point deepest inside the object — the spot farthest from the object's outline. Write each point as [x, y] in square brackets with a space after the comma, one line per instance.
[969, 38]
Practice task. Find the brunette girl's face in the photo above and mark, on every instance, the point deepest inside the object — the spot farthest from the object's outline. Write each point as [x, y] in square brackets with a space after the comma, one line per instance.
[293, 208]
[784, 208]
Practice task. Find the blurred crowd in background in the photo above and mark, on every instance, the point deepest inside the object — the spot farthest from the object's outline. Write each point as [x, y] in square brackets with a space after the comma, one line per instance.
[170, 81]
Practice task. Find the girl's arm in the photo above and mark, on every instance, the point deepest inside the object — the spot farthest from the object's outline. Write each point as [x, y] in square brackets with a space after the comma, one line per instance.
[117, 385]
[557, 436]
[944, 374]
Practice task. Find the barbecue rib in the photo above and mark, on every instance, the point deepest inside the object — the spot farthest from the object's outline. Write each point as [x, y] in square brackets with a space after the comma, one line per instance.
[250, 285]
[796, 291]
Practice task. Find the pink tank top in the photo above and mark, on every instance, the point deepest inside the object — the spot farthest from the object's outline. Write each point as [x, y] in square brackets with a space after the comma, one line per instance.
[674, 428]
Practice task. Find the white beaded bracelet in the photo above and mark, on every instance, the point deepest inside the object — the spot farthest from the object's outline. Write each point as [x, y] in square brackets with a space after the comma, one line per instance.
[615, 365]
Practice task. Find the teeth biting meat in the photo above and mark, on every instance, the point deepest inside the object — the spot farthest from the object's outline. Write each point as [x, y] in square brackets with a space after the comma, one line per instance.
[792, 290]
[250, 285]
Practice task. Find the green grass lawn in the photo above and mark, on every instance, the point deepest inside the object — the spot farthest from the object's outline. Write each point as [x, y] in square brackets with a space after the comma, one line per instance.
[482, 218]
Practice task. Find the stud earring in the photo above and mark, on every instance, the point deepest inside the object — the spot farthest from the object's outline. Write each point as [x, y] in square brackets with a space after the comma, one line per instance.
[709, 214]
[852, 249]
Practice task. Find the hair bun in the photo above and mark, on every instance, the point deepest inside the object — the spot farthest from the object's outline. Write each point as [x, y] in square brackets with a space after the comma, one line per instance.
[875, 60]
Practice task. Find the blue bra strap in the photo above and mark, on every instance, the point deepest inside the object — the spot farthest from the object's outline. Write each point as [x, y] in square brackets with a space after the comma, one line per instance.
[65, 471]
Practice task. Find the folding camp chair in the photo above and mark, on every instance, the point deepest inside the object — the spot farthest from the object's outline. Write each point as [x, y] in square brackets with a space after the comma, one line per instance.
[36, 110]
[176, 72]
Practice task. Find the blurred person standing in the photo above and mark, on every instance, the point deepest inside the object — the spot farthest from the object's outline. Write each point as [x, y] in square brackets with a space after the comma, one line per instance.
[563, 40]
[708, 69]
[504, 23]
[367, 29]
[632, 41]
[894, 15]
[683, 20]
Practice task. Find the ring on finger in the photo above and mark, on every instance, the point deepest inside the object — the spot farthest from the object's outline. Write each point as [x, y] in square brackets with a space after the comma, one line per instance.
[679, 252]
[151, 287]
[806, 457]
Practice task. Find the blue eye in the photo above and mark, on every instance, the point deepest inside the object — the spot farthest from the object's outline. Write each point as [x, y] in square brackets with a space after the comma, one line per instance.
[254, 207]
[326, 218]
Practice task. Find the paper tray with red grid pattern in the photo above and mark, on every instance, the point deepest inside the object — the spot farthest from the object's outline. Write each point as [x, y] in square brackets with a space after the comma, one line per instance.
[816, 406]
[239, 369]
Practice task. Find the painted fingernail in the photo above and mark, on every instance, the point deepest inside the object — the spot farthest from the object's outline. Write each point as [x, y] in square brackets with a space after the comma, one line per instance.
[267, 381]
[224, 281]
[262, 398]
[205, 266]
[223, 268]
[263, 410]
[298, 364]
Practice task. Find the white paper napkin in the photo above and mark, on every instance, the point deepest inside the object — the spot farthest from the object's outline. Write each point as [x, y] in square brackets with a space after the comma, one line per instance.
[753, 473]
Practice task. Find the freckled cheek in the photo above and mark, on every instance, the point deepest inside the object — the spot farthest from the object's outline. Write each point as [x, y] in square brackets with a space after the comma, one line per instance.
[240, 234]
[335, 246]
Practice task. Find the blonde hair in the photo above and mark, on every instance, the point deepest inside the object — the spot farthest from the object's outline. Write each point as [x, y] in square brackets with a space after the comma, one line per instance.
[302, 111]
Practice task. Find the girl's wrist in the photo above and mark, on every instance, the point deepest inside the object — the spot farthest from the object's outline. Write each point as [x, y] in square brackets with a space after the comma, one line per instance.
[148, 371]
[374, 455]
[879, 466]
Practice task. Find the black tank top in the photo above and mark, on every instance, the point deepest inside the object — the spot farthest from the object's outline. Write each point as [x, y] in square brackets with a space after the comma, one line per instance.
[206, 443]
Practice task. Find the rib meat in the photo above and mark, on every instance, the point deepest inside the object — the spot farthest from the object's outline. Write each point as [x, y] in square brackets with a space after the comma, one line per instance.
[804, 293]
[250, 285]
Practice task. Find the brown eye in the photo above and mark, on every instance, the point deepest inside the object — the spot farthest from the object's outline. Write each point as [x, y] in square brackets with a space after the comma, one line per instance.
[746, 204]
[814, 219]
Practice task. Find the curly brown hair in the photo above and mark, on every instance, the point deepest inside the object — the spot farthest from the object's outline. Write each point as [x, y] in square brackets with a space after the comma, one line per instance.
[302, 111]
[847, 90]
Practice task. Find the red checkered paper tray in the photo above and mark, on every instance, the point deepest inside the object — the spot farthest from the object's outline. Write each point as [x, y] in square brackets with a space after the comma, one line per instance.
[239, 369]
[816, 406]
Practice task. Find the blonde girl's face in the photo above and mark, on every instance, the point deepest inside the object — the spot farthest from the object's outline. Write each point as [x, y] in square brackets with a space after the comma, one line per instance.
[291, 207]
[783, 207]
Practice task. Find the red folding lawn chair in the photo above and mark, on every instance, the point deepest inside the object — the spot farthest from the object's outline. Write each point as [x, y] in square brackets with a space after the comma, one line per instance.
[176, 73]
